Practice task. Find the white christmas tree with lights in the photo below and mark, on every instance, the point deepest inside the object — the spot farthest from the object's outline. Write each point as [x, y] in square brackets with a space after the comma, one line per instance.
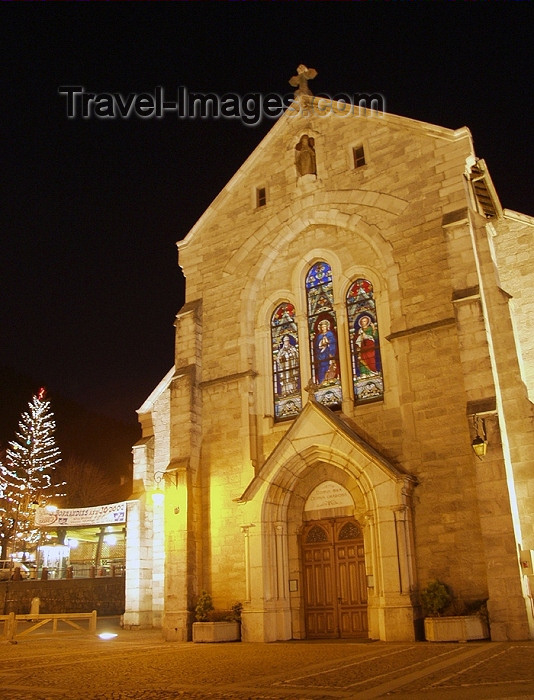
[28, 476]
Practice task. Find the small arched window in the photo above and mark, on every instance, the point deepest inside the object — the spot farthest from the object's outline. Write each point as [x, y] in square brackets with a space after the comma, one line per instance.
[286, 362]
[316, 534]
[367, 375]
[322, 329]
[349, 531]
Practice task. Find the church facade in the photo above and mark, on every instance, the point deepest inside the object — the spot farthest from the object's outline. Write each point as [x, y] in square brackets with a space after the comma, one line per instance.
[358, 318]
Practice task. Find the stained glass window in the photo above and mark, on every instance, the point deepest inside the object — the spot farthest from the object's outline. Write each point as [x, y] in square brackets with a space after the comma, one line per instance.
[322, 328]
[364, 342]
[286, 362]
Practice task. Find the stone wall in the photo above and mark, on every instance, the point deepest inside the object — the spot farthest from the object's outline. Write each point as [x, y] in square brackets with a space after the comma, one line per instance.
[405, 221]
[106, 596]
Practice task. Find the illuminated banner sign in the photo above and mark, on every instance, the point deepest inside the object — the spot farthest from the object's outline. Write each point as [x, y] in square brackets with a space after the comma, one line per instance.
[72, 517]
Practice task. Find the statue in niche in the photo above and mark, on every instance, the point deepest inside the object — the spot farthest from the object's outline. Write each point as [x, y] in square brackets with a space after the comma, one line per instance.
[305, 156]
[300, 81]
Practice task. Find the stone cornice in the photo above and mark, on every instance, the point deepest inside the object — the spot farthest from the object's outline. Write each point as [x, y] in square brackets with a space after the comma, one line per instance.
[228, 378]
[422, 328]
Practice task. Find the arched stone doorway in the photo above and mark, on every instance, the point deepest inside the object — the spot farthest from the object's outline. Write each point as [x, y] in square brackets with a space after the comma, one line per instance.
[335, 586]
[318, 457]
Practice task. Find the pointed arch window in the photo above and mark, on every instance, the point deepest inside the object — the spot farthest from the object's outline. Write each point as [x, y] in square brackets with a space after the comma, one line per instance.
[286, 362]
[367, 375]
[322, 329]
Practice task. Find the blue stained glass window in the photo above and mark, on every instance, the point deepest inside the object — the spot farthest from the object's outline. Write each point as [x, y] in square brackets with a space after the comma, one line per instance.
[367, 374]
[286, 362]
[322, 328]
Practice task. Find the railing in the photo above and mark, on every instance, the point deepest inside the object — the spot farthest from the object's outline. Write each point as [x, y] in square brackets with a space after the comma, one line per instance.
[10, 623]
[79, 570]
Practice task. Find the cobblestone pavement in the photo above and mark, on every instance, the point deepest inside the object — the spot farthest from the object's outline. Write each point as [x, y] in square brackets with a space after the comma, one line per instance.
[141, 666]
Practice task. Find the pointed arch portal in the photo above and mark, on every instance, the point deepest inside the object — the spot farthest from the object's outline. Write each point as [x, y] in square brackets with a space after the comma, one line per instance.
[330, 538]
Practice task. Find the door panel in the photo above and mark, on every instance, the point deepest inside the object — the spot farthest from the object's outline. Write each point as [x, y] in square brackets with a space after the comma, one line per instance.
[335, 591]
[319, 598]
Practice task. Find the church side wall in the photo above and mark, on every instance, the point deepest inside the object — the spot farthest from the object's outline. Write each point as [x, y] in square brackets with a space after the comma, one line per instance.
[513, 243]
[226, 473]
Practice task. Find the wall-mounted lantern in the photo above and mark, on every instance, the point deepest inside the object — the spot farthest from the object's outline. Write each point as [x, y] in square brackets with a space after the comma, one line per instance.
[480, 441]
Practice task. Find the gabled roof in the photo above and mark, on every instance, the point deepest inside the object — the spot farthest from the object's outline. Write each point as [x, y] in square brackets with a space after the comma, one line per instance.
[156, 393]
[320, 426]
[287, 121]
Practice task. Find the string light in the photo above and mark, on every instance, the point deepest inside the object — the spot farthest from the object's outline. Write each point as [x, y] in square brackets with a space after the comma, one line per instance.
[30, 461]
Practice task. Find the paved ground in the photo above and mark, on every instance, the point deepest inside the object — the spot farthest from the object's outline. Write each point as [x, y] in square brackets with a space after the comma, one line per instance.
[140, 666]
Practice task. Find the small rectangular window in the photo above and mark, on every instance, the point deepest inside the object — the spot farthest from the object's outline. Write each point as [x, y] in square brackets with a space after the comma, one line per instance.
[261, 197]
[359, 156]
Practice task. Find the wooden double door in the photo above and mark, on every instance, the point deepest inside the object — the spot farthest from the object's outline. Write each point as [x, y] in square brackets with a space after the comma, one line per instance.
[335, 585]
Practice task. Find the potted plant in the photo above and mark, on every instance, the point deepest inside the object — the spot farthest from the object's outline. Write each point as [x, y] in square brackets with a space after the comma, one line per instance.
[216, 625]
[450, 620]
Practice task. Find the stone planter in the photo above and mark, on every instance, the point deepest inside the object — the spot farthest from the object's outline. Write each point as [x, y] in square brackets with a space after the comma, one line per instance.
[461, 628]
[216, 632]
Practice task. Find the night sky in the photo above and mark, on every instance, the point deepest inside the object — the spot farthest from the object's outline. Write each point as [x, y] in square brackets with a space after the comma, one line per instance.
[92, 208]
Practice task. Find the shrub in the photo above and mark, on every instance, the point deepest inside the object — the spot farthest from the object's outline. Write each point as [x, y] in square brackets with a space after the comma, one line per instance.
[203, 607]
[218, 616]
[236, 611]
[205, 612]
[435, 598]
